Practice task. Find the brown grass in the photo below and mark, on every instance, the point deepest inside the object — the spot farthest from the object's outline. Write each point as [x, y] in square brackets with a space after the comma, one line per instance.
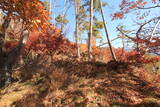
[83, 84]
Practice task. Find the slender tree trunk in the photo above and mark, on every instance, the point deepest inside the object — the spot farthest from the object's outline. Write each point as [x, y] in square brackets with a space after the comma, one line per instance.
[5, 25]
[77, 27]
[158, 23]
[50, 7]
[90, 35]
[107, 35]
[9, 58]
[53, 12]
[152, 34]
[63, 15]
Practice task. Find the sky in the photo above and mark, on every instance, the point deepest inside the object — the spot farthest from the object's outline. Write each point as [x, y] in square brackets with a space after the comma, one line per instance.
[58, 6]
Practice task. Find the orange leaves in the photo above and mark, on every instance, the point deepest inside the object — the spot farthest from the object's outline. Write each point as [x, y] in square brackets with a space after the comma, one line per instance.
[143, 3]
[117, 15]
[48, 44]
[133, 6]
[135, 57]
[138, 4]
[31, 11]
[139, 40]
[155, 42]
[131, 57]
[125, 56]
[127, 6]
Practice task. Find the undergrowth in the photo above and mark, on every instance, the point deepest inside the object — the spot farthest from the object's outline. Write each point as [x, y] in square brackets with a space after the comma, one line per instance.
[82, 84]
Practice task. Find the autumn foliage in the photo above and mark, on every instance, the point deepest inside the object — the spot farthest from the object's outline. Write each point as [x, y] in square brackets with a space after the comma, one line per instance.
[49, 44]
[65, 80]
[145, 41]
[135, 57]
[32, 13]
[127, 6]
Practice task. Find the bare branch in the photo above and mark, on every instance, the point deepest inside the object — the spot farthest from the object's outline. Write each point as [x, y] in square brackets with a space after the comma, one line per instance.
[124, 34]
[157, 6]
[110, 40]
[141, 27]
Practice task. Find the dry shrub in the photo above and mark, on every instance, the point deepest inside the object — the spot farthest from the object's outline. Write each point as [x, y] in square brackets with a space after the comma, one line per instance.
[74, 84]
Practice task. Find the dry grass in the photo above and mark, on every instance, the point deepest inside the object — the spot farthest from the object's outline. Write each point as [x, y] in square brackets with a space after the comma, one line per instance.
[82, 84]
[14, 92]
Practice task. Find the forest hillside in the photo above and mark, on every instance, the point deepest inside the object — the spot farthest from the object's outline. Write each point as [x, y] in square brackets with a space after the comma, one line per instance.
[63, 54]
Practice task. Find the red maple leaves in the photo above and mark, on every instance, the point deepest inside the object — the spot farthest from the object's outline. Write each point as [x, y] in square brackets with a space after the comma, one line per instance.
[118, 15]
[126, 6]
[46, 44]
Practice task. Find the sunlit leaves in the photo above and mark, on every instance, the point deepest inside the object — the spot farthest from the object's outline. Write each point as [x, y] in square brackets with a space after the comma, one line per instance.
[31, 12]
[117, 15]
[135, 57]
[127, 6]
[46, 44]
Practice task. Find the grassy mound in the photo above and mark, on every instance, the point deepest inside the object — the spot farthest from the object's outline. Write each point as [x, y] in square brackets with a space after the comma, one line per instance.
[82, 84]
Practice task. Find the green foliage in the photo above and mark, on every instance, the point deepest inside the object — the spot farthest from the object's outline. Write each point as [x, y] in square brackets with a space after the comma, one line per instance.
[61, 19]
[82, 15]
[99, 24]
[97, 27]
[96, 5]
[84, 23]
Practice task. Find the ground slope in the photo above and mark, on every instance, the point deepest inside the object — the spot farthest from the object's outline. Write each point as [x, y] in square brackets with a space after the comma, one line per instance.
[82, 84]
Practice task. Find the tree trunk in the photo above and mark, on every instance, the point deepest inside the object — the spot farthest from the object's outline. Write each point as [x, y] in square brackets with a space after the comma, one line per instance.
[90, 31]
[50, 7]
[5, 25]
[152, 34]
[107, 35]
[9, 58]
[63, 16]
[77, 27]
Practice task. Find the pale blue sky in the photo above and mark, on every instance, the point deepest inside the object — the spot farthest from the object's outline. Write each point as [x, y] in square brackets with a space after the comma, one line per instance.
[111, 8]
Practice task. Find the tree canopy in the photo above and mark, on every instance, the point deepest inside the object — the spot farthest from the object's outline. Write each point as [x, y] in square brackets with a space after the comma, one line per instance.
[32, 12]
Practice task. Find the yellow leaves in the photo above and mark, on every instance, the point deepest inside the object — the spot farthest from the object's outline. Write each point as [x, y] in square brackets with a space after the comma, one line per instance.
[36, 21]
